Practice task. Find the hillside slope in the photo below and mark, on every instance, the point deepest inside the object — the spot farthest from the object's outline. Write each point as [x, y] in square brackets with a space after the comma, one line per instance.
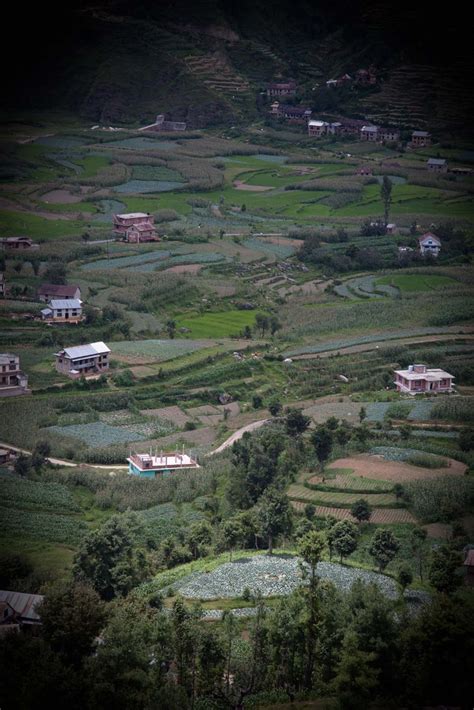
[117, 62]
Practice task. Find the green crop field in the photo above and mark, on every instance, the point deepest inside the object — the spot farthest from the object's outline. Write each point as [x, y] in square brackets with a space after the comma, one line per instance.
[217, 325]
[417, 282]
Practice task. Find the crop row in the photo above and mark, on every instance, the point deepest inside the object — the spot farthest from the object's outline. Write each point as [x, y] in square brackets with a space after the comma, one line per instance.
[45, 526]
[351, 484]
[336, 498]
[23, 493]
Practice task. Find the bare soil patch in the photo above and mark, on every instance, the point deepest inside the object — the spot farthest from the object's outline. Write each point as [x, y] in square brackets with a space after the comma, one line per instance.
[372, 466]
[439, 530]
[205, 409]
[239, 185]
[184, 269]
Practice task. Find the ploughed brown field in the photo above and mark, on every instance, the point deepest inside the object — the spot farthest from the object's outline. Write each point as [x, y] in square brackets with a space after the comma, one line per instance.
[376, 467]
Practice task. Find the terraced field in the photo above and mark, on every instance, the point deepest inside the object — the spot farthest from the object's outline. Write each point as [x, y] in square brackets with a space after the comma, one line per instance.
[382, 516]
[336, 498]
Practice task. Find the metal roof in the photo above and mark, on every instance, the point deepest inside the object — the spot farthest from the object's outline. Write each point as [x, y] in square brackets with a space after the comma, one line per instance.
[132, 215]
[58, 289]
[65, 303]
[5, 358]
[436, 161]
[90, 350]
[420, 134]
[23, 604]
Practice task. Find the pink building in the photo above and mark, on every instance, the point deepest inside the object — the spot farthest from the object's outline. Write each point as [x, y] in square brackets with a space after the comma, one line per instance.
[135, 227]
[420, 379]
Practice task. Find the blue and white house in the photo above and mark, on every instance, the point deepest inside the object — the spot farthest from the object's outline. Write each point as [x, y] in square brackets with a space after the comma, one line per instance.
[149, 466]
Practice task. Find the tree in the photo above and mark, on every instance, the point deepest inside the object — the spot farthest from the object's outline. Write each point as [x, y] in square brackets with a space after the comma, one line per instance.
[310, 511]
[405, 577]
[362, 414]
[321, 439]
[257, 401]
[247, 333]
[342, 538]
[386, 197]
[171, 328]
[444, 565]
[56, 273]
[417, 543]
[22, 465]
[310, 548]
[110, 559]
[296, 422]
[466, 440]
[361, 510]
[44, 448]
[274, 325]
[233, 534]
[72, 616]
[274, 515]
[405, 431]
[262, 323]
[399, 491]
[274, 407]
[199, 536]
[384, 547]
[356, 676]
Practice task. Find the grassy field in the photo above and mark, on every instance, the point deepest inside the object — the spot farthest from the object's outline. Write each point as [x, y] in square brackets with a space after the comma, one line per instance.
[417, 282]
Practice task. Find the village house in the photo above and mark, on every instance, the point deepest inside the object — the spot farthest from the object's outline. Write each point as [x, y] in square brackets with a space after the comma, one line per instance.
[293, 114]
[429, 243]
[420, 139]
[317, 129]
[437, 165]
[163, 125]
[83, 360]
[18, 243]
[351, 126]
[135, 227]
[149, 466]
[420, 379]
[365, 77]
[5, 456]
[388, 134]
[46, 292]
[341, 81]
[13, 380]
[63, 311]
[369, 133]
[391, 228]
[17, 608]
[469, 565]
[2, 286]
[286, 88]
[364, 170]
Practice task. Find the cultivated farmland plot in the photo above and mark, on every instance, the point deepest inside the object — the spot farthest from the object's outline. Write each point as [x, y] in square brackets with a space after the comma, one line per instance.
[336, 498]
[45, 526]
[157, 350]
[380, 516]
[273, 576]
[36, 495]
[98, 434]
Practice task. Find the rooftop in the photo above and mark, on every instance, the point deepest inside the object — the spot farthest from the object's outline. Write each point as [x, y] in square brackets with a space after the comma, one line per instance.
[90, 350]
[23, 604]
[133, 215]
[5, 358]
[436, 161]
[58, 289]
[420, 134]
[65, 303]
[431, 374]
[148, 462]
[429, 235]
